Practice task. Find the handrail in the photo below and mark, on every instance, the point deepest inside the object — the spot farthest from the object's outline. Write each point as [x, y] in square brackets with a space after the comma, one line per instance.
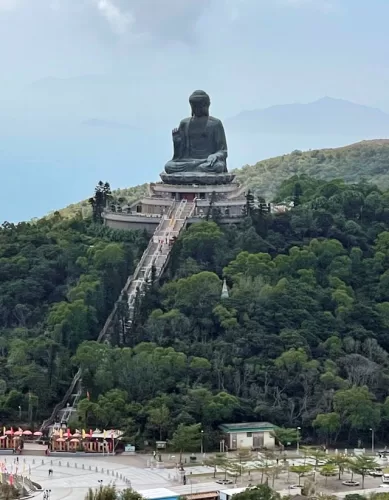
[62, 403]
[183, 225]
[108, 321]
[144, 255]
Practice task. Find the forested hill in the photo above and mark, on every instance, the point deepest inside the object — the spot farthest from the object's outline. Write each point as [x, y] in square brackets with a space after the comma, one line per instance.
[125, 195]
[366, 160]
[59, 280]
[302, 340]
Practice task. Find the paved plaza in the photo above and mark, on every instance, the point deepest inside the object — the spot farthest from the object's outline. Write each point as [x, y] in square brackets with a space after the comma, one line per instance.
[72, 477]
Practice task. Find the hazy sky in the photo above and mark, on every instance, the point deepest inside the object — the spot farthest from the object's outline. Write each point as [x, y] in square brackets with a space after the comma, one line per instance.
[135, 62]
[245, 53]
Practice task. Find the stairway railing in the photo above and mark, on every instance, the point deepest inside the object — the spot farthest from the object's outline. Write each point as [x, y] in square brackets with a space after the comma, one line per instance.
[179, 216]
[63, 402]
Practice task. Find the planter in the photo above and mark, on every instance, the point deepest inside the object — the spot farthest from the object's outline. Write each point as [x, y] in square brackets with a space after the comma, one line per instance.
[350, 483]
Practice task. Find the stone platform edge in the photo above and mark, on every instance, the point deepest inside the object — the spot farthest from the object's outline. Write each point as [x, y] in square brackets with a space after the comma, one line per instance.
[199, 178]
[78, 454]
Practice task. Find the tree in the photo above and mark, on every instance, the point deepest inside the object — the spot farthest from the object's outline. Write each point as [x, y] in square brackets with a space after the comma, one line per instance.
[318, 455]
[160, 418]
[362, 465]
[356, 407]
[327, 424]
[201, 241]
[186, 438]
[300, 470]
[340, 462]
[100, 200]
[218, 462]
[260, 492]
[357, 496]
[328, 470]
[250, 204]
[9, 492]
[285, 435]
[111, 493]
[211, 206]
[297, 193]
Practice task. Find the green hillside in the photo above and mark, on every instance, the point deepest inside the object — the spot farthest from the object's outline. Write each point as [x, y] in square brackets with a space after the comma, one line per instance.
[125, 195]
[366, 160]
[302, 340]
[59, 279]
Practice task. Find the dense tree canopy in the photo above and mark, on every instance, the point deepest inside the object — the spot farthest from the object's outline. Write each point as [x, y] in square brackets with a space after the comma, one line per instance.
[301, 341]
[59, 280]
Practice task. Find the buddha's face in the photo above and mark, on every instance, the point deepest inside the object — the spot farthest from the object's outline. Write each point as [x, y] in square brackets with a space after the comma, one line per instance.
[200, 107]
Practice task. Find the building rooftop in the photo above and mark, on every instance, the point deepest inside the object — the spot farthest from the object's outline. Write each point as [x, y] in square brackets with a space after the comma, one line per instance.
[158, 493]
[233, 491]
[202, 496]
[247, 427]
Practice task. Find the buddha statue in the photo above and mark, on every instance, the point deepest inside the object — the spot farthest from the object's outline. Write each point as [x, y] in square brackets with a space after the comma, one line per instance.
[200, 146]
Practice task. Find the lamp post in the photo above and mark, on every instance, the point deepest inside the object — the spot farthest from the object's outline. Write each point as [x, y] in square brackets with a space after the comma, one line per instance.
[202, 442]
[372, 440]
[20, 412]
[298, 440]
[100, 481]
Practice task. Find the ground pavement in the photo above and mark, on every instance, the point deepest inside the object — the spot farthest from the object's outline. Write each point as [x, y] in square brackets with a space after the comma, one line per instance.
[72, 477]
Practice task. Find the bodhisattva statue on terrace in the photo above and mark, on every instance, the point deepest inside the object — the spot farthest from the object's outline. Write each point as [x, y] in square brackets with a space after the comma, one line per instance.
[200, 145]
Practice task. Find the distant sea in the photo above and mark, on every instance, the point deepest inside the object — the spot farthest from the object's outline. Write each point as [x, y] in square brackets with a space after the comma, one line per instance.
[47, 169]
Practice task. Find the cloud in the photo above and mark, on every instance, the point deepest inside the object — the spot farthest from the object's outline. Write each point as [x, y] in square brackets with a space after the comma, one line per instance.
[166, 19]
[119, 20]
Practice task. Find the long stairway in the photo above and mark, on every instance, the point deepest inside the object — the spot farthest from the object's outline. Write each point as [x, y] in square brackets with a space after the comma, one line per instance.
[158, 251]
[156, 256]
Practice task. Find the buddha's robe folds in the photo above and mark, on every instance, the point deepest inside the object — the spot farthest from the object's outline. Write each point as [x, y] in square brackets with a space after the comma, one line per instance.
[198, 138]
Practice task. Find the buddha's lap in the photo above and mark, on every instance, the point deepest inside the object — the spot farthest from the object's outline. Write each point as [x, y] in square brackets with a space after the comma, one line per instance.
[194, 166]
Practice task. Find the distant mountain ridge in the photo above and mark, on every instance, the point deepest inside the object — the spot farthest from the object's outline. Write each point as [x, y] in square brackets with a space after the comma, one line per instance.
[324, 116]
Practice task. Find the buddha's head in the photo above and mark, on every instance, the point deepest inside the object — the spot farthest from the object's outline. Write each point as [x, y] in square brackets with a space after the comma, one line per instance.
[199, 102]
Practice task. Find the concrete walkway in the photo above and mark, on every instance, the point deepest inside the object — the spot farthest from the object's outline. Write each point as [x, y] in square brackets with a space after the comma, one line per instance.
[73, 481]
[72, 477]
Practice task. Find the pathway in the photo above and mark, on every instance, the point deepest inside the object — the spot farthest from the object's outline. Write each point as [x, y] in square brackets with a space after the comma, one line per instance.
[72, 481]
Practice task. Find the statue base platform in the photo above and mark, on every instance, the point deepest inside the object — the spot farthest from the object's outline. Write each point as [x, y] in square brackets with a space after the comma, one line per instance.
[197, 178]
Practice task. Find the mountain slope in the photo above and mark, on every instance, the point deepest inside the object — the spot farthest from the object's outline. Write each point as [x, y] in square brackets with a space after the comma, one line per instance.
[324, 116]
[366, 160]
[127, 195]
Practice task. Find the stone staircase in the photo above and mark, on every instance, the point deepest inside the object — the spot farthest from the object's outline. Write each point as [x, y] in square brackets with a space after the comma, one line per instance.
[157, 253]
[155, 257]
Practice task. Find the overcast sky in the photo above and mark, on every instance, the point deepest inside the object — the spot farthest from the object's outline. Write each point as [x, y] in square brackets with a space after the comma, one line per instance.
[245, 53]
[133, 64]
